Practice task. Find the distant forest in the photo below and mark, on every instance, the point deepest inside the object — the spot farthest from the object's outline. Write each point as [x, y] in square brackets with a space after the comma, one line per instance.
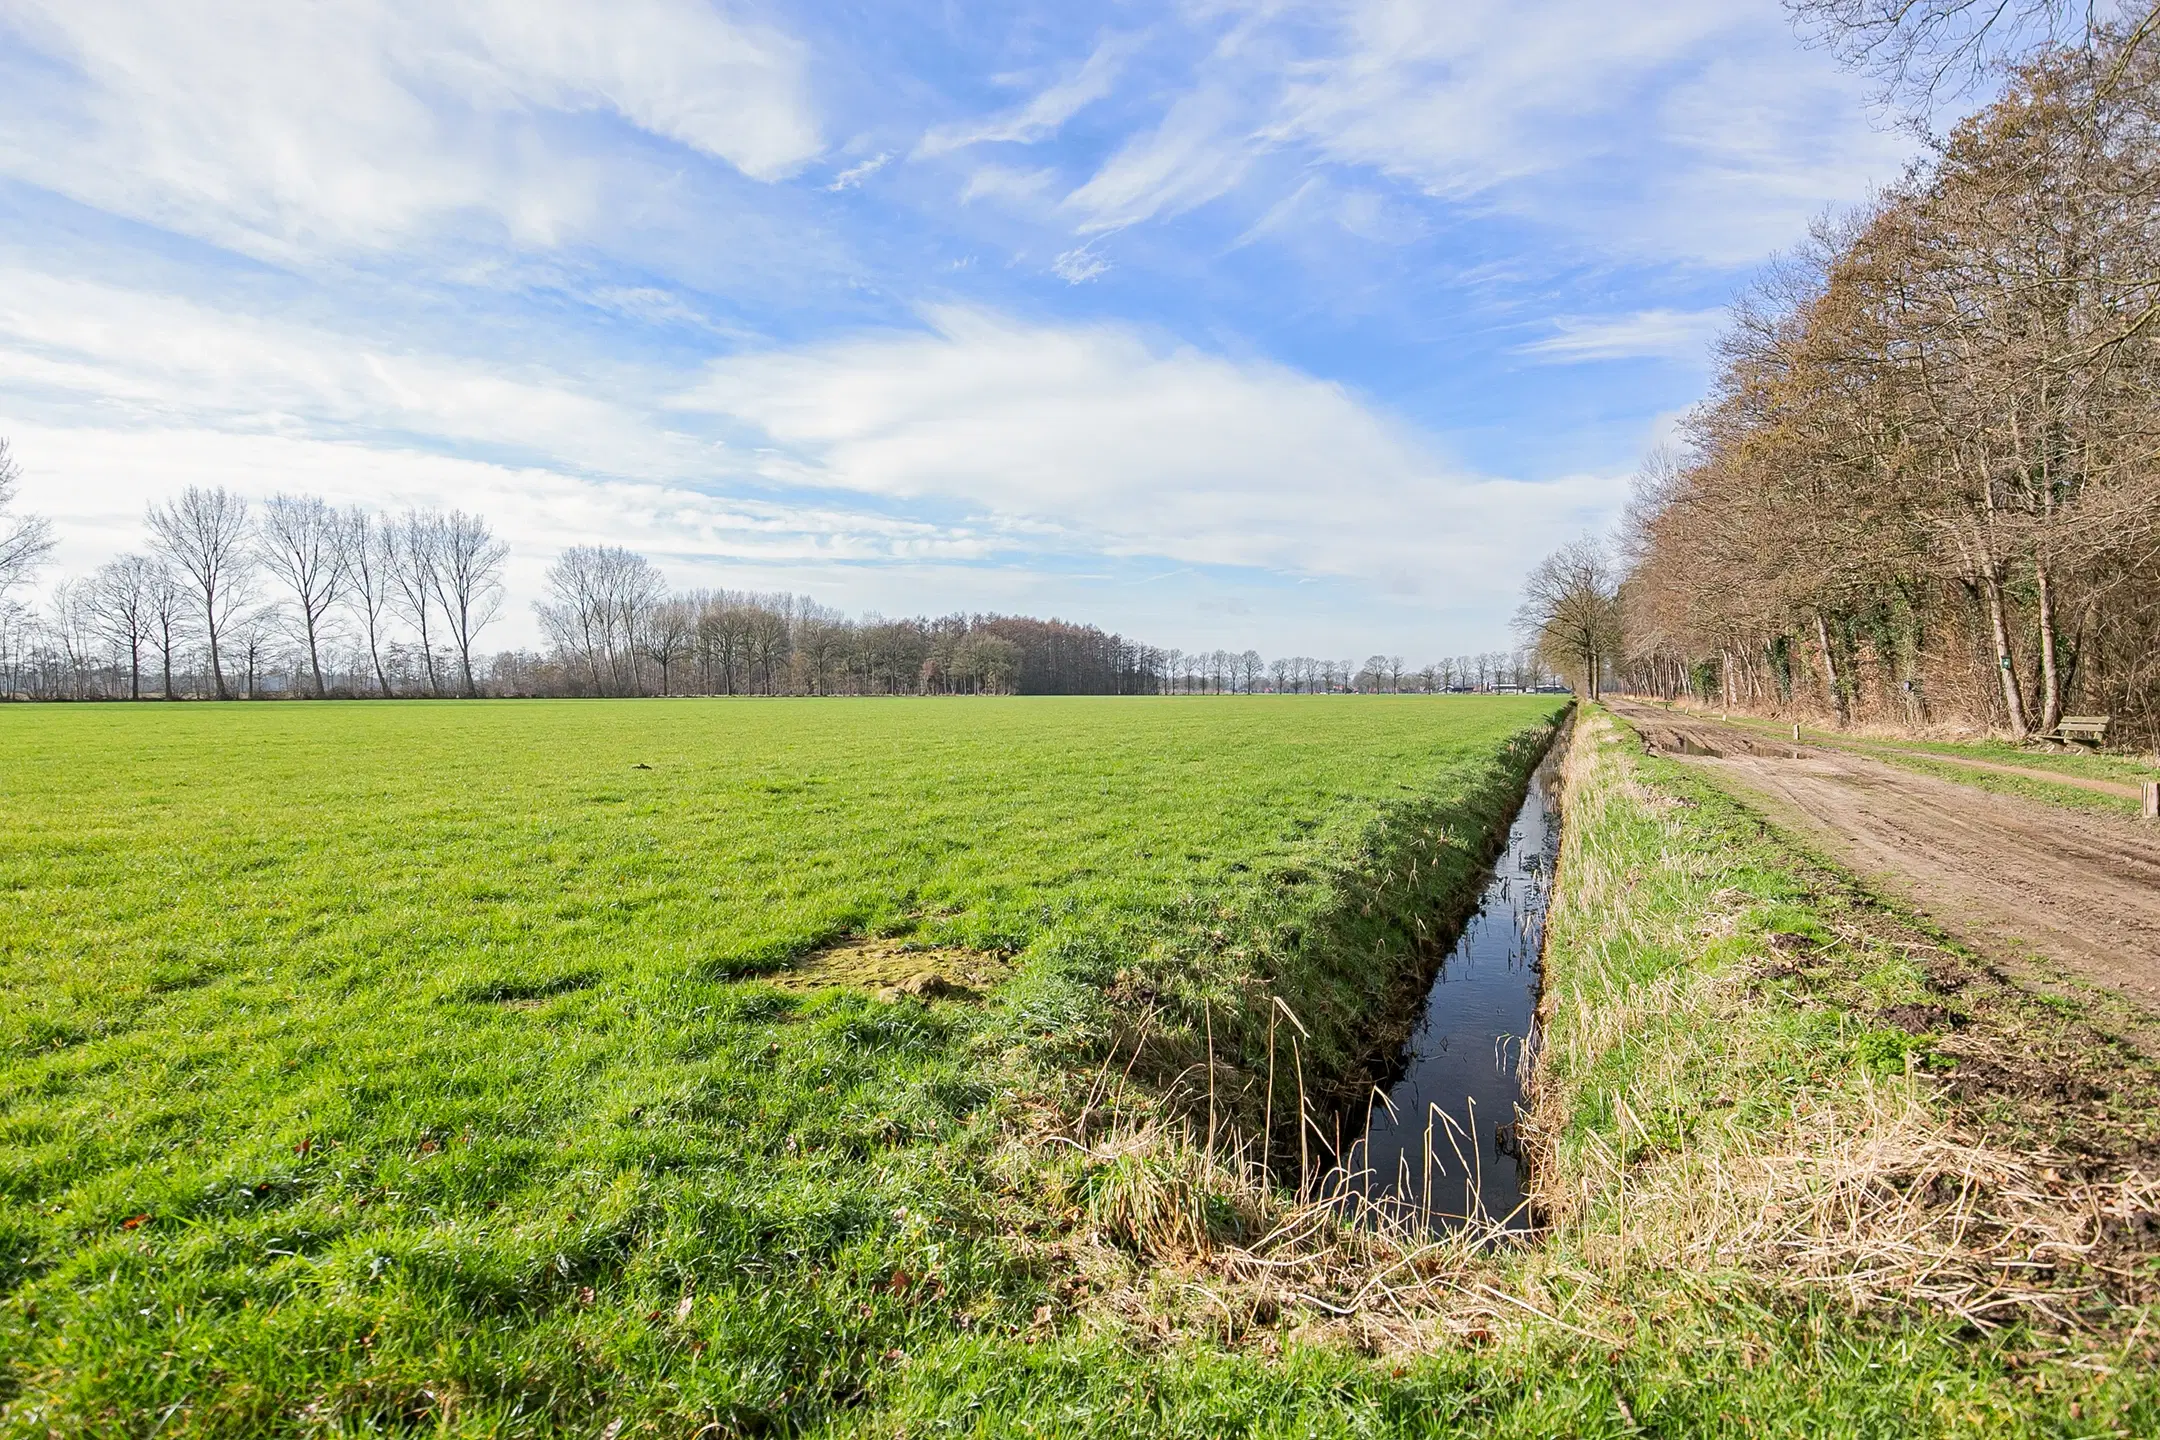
[1926, 487]
[292, 599]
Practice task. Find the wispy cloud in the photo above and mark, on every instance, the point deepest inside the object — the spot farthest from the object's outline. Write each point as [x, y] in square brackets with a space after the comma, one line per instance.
[854, 175]
[1131, 447]
[285, 127]
[1079, 265]
[1646, 334]
[1198, 153]
[1043, 115]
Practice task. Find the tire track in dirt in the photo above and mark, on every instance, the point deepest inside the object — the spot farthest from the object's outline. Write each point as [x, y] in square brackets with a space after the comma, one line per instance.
[2009, 876]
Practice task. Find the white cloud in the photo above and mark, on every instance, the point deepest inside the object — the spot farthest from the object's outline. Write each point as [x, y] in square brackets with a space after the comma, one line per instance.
[1124, 447]
[988, 456]
[1002, 182]
[95, 484]
[1044, 115]
[139, 358]
[1697, 128]
[854, 175]
[1651, 334]
[1461, 97]
[1198, 153]
[1691, 128]
[285, 127]
[1078, 266]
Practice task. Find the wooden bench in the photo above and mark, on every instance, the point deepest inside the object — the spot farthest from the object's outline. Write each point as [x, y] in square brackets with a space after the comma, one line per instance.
[2091, 728]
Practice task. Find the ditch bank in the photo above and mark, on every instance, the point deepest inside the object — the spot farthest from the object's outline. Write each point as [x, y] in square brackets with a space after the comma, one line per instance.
[1262, 1015]
[1438, 1144]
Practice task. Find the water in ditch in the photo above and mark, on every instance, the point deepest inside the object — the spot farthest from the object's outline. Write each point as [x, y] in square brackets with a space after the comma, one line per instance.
[1441, 1146]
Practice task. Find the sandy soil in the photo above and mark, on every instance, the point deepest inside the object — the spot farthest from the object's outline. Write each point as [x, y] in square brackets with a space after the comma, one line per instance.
[2011, 877]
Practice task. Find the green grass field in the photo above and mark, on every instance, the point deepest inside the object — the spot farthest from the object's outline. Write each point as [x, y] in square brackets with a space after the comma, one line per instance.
[407, 1066]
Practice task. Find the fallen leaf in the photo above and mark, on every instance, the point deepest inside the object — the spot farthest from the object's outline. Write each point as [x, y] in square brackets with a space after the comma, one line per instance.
[130, 1224]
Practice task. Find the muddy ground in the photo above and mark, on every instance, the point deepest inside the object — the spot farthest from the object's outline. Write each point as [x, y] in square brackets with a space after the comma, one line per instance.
[2017, 880]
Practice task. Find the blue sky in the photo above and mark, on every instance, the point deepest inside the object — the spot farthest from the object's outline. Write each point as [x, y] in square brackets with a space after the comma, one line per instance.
[1304, 326]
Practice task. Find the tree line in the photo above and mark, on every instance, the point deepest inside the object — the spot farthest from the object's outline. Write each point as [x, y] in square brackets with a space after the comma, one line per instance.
[295, 598]
[231, 596]
[1924, 486]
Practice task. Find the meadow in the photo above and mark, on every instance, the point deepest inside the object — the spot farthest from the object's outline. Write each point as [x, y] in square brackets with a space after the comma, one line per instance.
[452, 1066]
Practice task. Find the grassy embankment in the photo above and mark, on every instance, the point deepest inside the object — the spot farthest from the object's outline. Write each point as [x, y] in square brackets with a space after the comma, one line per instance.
[420, 1066]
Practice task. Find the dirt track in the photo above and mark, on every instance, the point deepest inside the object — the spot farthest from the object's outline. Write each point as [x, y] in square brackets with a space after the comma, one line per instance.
[2010, 877]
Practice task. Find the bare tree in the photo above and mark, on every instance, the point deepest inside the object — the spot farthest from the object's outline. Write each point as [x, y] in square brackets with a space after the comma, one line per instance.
[468, 582]
[125, 595]
[25, 541]
[72, 624]
[414, 553]
[1571, 612]
[369, 546]
[600, 597]
[254, 638]
[767, 638]
[168, 620]
[300, 542]
[1923, 51]
[204, 535]
[667, 637]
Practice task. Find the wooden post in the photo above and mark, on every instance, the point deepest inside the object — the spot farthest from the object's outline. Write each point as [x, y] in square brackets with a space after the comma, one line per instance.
[1796, 732]
[2152, 799]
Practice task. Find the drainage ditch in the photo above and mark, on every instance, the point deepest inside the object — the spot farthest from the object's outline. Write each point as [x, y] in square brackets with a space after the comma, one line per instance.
[1440, 1148]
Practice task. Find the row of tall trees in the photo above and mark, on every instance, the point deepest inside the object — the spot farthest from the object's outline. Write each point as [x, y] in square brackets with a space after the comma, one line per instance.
[230, 595]
[1926, 485]
[295, 597]
[614, 628]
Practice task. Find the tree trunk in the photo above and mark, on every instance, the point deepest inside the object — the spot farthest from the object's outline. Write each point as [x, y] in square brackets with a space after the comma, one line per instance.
[314, 658]
[217, 671]
[2013, 693]
[2051, 688]
[1830, 672]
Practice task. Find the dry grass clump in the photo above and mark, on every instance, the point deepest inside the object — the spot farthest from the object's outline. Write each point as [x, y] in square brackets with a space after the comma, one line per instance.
[1872, 1196]
[1154, 1232]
